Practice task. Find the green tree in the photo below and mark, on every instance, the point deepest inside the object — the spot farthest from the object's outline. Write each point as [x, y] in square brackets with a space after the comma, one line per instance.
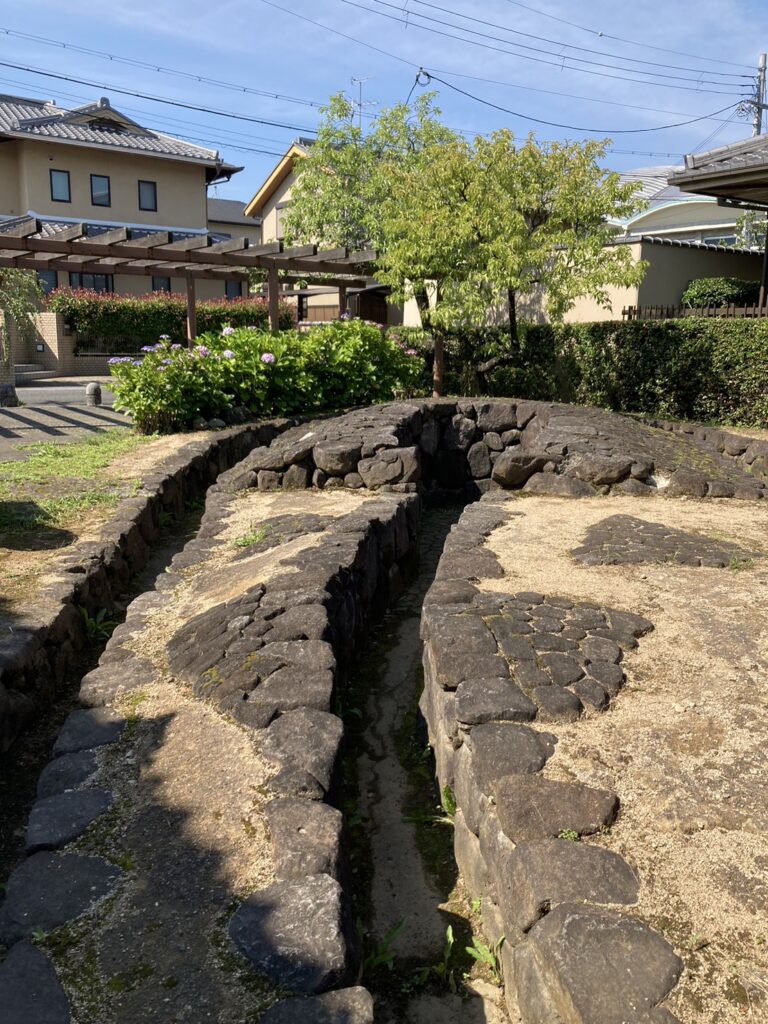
[751, 229]
[20, 297]
[489, 221]
[343, 180]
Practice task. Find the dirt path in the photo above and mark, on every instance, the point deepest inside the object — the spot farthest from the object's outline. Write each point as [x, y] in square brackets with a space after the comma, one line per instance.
[685, 743]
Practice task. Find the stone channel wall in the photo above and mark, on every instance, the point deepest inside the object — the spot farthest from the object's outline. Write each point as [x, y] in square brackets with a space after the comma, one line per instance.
[473, 446]
[40, 646]
[502, 671]
[273, 658]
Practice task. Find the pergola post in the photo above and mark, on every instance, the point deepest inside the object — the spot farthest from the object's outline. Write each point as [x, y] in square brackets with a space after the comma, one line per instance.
[191, 312]
[342, 299]
[763, 300]
[273, 296]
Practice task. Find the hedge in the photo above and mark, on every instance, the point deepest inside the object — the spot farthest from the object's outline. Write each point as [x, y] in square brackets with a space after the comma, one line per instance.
[721, 291]
[340, 364]
[695, 368]
[129, 321]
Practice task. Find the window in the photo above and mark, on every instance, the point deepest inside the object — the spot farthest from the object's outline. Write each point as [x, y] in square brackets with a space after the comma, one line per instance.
[96, 282]
[720, 240]
[100, 193]
[233, 289]
[161, 284]
[60, 187]
[48, 279]
[147, 195]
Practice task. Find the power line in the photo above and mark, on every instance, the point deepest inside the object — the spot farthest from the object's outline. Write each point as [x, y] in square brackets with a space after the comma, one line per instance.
[621, 39]
[562, 43]
[161, 69]
[576, 128]
[559, 63]
[155, 99]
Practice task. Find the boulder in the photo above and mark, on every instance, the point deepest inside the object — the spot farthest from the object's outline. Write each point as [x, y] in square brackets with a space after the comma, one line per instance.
[479, 460]
[512, 469]
[305, 738]
[30, 990]
[602, 469]
[306, 838]
[496, 417]
[345, 1006]
[55, 821]
[337, 458]
[531, 807]
[686, 482]
[295, 934]
[558, 486]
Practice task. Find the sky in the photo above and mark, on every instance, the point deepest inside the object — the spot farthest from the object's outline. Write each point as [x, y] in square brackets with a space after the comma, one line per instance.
[263, 68]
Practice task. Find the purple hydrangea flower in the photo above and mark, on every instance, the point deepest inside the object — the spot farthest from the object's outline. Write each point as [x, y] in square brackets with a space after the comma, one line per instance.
[176, 346]
[136, 362]
[267, 357]
[202, 351]
[166, 362]
[228, 353]
[411, 352]
[119, 359]
[149, 348]
[161, 369]
[227, 331]
[165, 337]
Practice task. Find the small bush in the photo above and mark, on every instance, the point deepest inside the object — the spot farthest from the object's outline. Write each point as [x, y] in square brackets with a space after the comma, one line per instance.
[125, 322]
[721, 291]
[333, 366]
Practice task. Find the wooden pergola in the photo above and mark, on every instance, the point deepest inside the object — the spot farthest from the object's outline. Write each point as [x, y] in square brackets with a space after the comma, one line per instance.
[32, 244]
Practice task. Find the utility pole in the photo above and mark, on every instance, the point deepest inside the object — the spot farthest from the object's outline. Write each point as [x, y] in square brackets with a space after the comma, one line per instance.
[759, 103]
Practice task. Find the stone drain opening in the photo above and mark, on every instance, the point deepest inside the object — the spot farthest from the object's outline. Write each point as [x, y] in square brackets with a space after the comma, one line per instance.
[407, 894]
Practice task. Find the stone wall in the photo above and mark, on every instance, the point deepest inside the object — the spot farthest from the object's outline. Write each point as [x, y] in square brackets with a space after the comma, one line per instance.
[42, 644]
[502, 672]
[475, 446]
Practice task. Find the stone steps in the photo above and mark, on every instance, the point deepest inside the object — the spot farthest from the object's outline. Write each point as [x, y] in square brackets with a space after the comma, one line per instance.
[26, 373]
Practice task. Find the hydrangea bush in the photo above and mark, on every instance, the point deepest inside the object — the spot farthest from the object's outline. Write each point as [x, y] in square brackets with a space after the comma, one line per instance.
[334, 366]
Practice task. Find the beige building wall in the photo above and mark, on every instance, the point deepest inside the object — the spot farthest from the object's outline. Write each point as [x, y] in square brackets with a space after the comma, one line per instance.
[692, 220]
[271, 215]
[10, 199]
[671, 269]
[181, 186]
[252, 233]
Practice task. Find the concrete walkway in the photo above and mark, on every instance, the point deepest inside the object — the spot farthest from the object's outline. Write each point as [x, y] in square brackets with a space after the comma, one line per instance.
[54, 411]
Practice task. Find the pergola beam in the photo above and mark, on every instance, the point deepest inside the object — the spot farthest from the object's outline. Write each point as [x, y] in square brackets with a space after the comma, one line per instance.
[95, 266]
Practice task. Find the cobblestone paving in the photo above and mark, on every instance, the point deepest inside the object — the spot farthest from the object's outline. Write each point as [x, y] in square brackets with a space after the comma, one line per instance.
[627, 540]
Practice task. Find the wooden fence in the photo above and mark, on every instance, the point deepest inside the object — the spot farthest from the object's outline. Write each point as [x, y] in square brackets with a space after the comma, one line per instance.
[677, 312]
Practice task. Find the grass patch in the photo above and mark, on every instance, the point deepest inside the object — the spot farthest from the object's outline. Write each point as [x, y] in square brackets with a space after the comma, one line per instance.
[82, 459]
[27, 515]
[254, 536]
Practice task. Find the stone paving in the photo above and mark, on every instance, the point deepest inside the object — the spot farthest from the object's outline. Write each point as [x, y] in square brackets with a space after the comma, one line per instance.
[628, 540]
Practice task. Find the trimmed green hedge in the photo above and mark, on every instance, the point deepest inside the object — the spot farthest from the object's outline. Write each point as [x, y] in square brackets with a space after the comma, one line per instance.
[132, 321]
[721, 291]
[695, 368]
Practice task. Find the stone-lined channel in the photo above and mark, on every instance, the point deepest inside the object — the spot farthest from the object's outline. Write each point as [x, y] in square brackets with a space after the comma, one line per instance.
[407, 891]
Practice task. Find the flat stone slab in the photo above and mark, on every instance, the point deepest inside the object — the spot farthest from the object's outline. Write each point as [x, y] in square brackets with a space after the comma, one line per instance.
[345, 1006]
[499, 749]
[55, 821]
[66, 772]
[295, 933]
[593, 966]
[531, 807]
[307, 739]
[627, 540]
[86, 729]
[492, 700]
[107, 682]
[30, 990]
[49, 889]
[544, 873]
[306, 837]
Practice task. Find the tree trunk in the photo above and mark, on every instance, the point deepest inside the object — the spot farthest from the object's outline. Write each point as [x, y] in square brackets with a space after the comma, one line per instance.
[438, 366]
[512, 300]
[8, 396]
[422, 302]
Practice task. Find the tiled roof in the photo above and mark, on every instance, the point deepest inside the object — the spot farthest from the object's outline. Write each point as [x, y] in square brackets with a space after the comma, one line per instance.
[652, 179]
[737, 156]
[94, 124]
[230, 211]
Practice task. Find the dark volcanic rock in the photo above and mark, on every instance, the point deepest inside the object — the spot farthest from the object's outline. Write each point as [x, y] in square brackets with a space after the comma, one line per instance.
[295, 932]
[66, 772]
[83, 730]
[306, 838]
[556, 704]
[345, 1006]
[687, 482]
[30, 991]
[530, 807]
[337, 458]
[49, 889]
[512, 469]
[558, 486]
[305, 738]
[603, 469]
[500, 748]
[57, 820]
[492, 700]
[546, 872]
[496, 417]
[593, 966]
